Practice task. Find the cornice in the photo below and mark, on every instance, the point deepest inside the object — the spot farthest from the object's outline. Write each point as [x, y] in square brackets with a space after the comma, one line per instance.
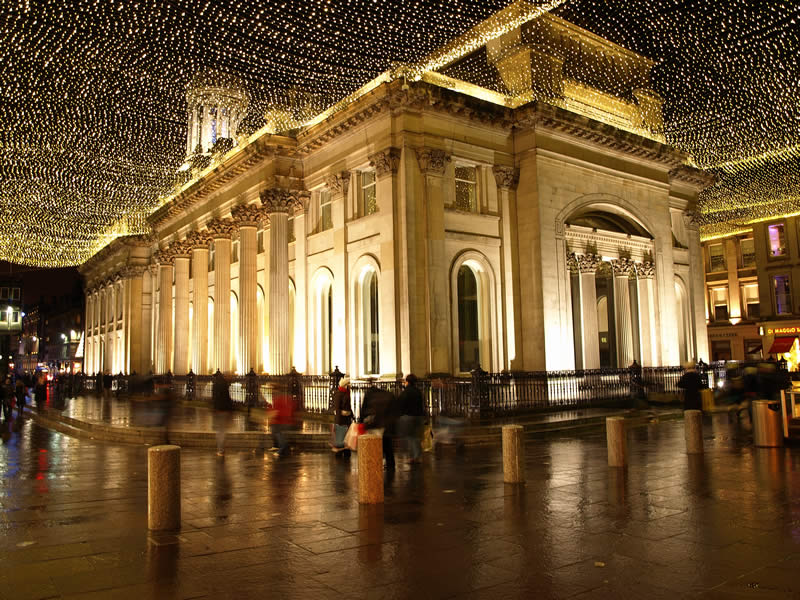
[693, 177]
[119, 245]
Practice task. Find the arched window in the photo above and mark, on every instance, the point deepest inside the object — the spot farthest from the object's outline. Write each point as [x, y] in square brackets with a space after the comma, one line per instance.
[235, 358]
[469, 349]
[322, 325]
[367, 321]
[472, 310]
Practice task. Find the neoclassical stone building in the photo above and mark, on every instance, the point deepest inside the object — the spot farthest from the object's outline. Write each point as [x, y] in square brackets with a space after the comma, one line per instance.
[419, 229]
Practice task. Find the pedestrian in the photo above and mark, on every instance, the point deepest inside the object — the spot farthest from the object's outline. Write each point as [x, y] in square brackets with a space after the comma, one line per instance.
[281, 417]
[6, 396]
[412, 408]
[379, 414]
[20, 391]
[342, 416]
[40, 390]
[691, 384]
[107, 382]
[223, 409]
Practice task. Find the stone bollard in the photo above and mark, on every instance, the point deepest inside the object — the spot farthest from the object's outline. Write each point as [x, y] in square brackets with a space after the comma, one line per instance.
[370, 469]
[164, 488]
[615, 439]
[513, 454]
[693, 430]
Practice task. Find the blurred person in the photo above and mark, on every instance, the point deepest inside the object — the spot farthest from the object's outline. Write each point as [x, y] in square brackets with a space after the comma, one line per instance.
[223, 409]
[20, 392]
[6, 397]
[108, 380]
[342, 415]
[413, 416]
[379, 414]
[281, 417]
[40, 390]
[691, 384]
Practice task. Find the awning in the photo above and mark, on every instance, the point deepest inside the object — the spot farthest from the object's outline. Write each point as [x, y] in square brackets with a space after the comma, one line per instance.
[781, 345]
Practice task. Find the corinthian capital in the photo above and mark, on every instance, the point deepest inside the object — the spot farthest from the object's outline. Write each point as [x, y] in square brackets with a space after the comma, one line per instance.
[645, 270]
[221, 228]
[180, 249]
[506, 177]
[622, 266]
[130, 272]
[338, 182]
[250, 215]
[432, 160]
[588, 263]
[198, 239]
[386, 161]
[690, 221]
[164, 257]
[277, 200]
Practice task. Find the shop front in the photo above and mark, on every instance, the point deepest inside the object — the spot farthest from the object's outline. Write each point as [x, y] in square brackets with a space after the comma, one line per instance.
[740, 342]
[780, 339]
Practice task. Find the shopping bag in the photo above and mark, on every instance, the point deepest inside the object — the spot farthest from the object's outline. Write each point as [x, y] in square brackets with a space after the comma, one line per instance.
[351, 437]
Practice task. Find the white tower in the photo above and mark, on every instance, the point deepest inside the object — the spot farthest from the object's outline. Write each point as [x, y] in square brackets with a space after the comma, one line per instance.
[217, 104]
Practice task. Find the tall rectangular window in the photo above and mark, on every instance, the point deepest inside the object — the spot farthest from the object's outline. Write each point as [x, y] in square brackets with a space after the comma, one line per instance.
[748, 248]
[716, 254]
[777, 240]
[719, 301]
[368, 197]
[466, 188]
[750, 300]
[783, 294]
[325, 217]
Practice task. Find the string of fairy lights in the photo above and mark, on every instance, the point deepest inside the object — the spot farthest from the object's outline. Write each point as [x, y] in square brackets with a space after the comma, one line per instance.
[94, 114]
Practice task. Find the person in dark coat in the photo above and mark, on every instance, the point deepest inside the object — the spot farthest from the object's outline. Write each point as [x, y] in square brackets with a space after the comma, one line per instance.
[6, 395]
[691, 384]
[223, 409]
[342, 414]
[40, 390]
[20, 391]
[108, 379]
[412, 407]
[380, 412]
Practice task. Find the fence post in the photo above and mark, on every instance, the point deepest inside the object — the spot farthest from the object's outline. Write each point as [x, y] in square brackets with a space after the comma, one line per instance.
[335, 377]
[190, 394]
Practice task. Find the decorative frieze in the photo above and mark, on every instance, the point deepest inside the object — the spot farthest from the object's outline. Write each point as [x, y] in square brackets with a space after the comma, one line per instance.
[250, 215]
[507, 178]
[386, 161]
[282, 200]
[338, 183]
[432, 160]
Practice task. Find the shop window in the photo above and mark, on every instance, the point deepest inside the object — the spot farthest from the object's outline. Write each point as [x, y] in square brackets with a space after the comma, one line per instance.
[466, 188]
[783, 294]
[752, 350]
[716, 253]
[368, 200]
[719, 302]
[720, 350]
[749, 295]
[748, 249]
[777, 240]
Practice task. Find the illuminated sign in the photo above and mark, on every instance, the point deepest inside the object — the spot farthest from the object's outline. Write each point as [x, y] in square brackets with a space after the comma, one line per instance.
[783, 330]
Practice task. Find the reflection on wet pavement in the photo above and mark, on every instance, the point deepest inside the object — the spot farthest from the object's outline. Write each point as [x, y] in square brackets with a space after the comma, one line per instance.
[723, 525]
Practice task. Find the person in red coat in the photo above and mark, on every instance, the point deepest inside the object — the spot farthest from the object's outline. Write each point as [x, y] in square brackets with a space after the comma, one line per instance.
[281, 417]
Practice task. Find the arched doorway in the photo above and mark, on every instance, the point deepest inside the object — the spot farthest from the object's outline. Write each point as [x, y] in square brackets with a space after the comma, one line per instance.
[322, 321]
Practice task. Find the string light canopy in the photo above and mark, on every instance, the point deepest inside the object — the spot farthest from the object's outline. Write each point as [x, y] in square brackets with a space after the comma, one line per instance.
[95, 95]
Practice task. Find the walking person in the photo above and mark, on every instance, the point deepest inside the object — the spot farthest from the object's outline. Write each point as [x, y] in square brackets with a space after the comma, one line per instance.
[40, 390]
[342, 416]
[223, 409]
[411, 406]
[281, 417]
[20, 391]
[107, 382]
[691, 384]
[6, 396]
[379, 414]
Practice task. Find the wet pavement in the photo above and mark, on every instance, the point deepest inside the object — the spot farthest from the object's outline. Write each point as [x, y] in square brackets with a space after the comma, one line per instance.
[722, 525]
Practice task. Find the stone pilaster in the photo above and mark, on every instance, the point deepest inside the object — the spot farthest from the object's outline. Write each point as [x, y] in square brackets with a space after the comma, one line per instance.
[199, 242]
[221, 230]
[622, 311]
[432, 164]
[182, 252]
[339, 184]
[507, 179]
[277, 204]
[248, 217]
[164, 336]
[590, 335]
[645, 276]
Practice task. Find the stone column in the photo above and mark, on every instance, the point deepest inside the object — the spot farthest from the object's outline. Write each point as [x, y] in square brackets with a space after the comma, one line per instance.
[386, 163]
[589, 332]
[697, 289]
[622, 311]
[647, 326]
[181, 360]
[277, 203]
[339, 185]
[135, 326]
[199, 242]
[506, 179]
[164, 336]
[248, 217]
[432, 165]
[221, 230]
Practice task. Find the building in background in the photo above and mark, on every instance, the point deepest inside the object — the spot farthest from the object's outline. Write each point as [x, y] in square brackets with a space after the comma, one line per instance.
[753, 292]
[10, 320]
